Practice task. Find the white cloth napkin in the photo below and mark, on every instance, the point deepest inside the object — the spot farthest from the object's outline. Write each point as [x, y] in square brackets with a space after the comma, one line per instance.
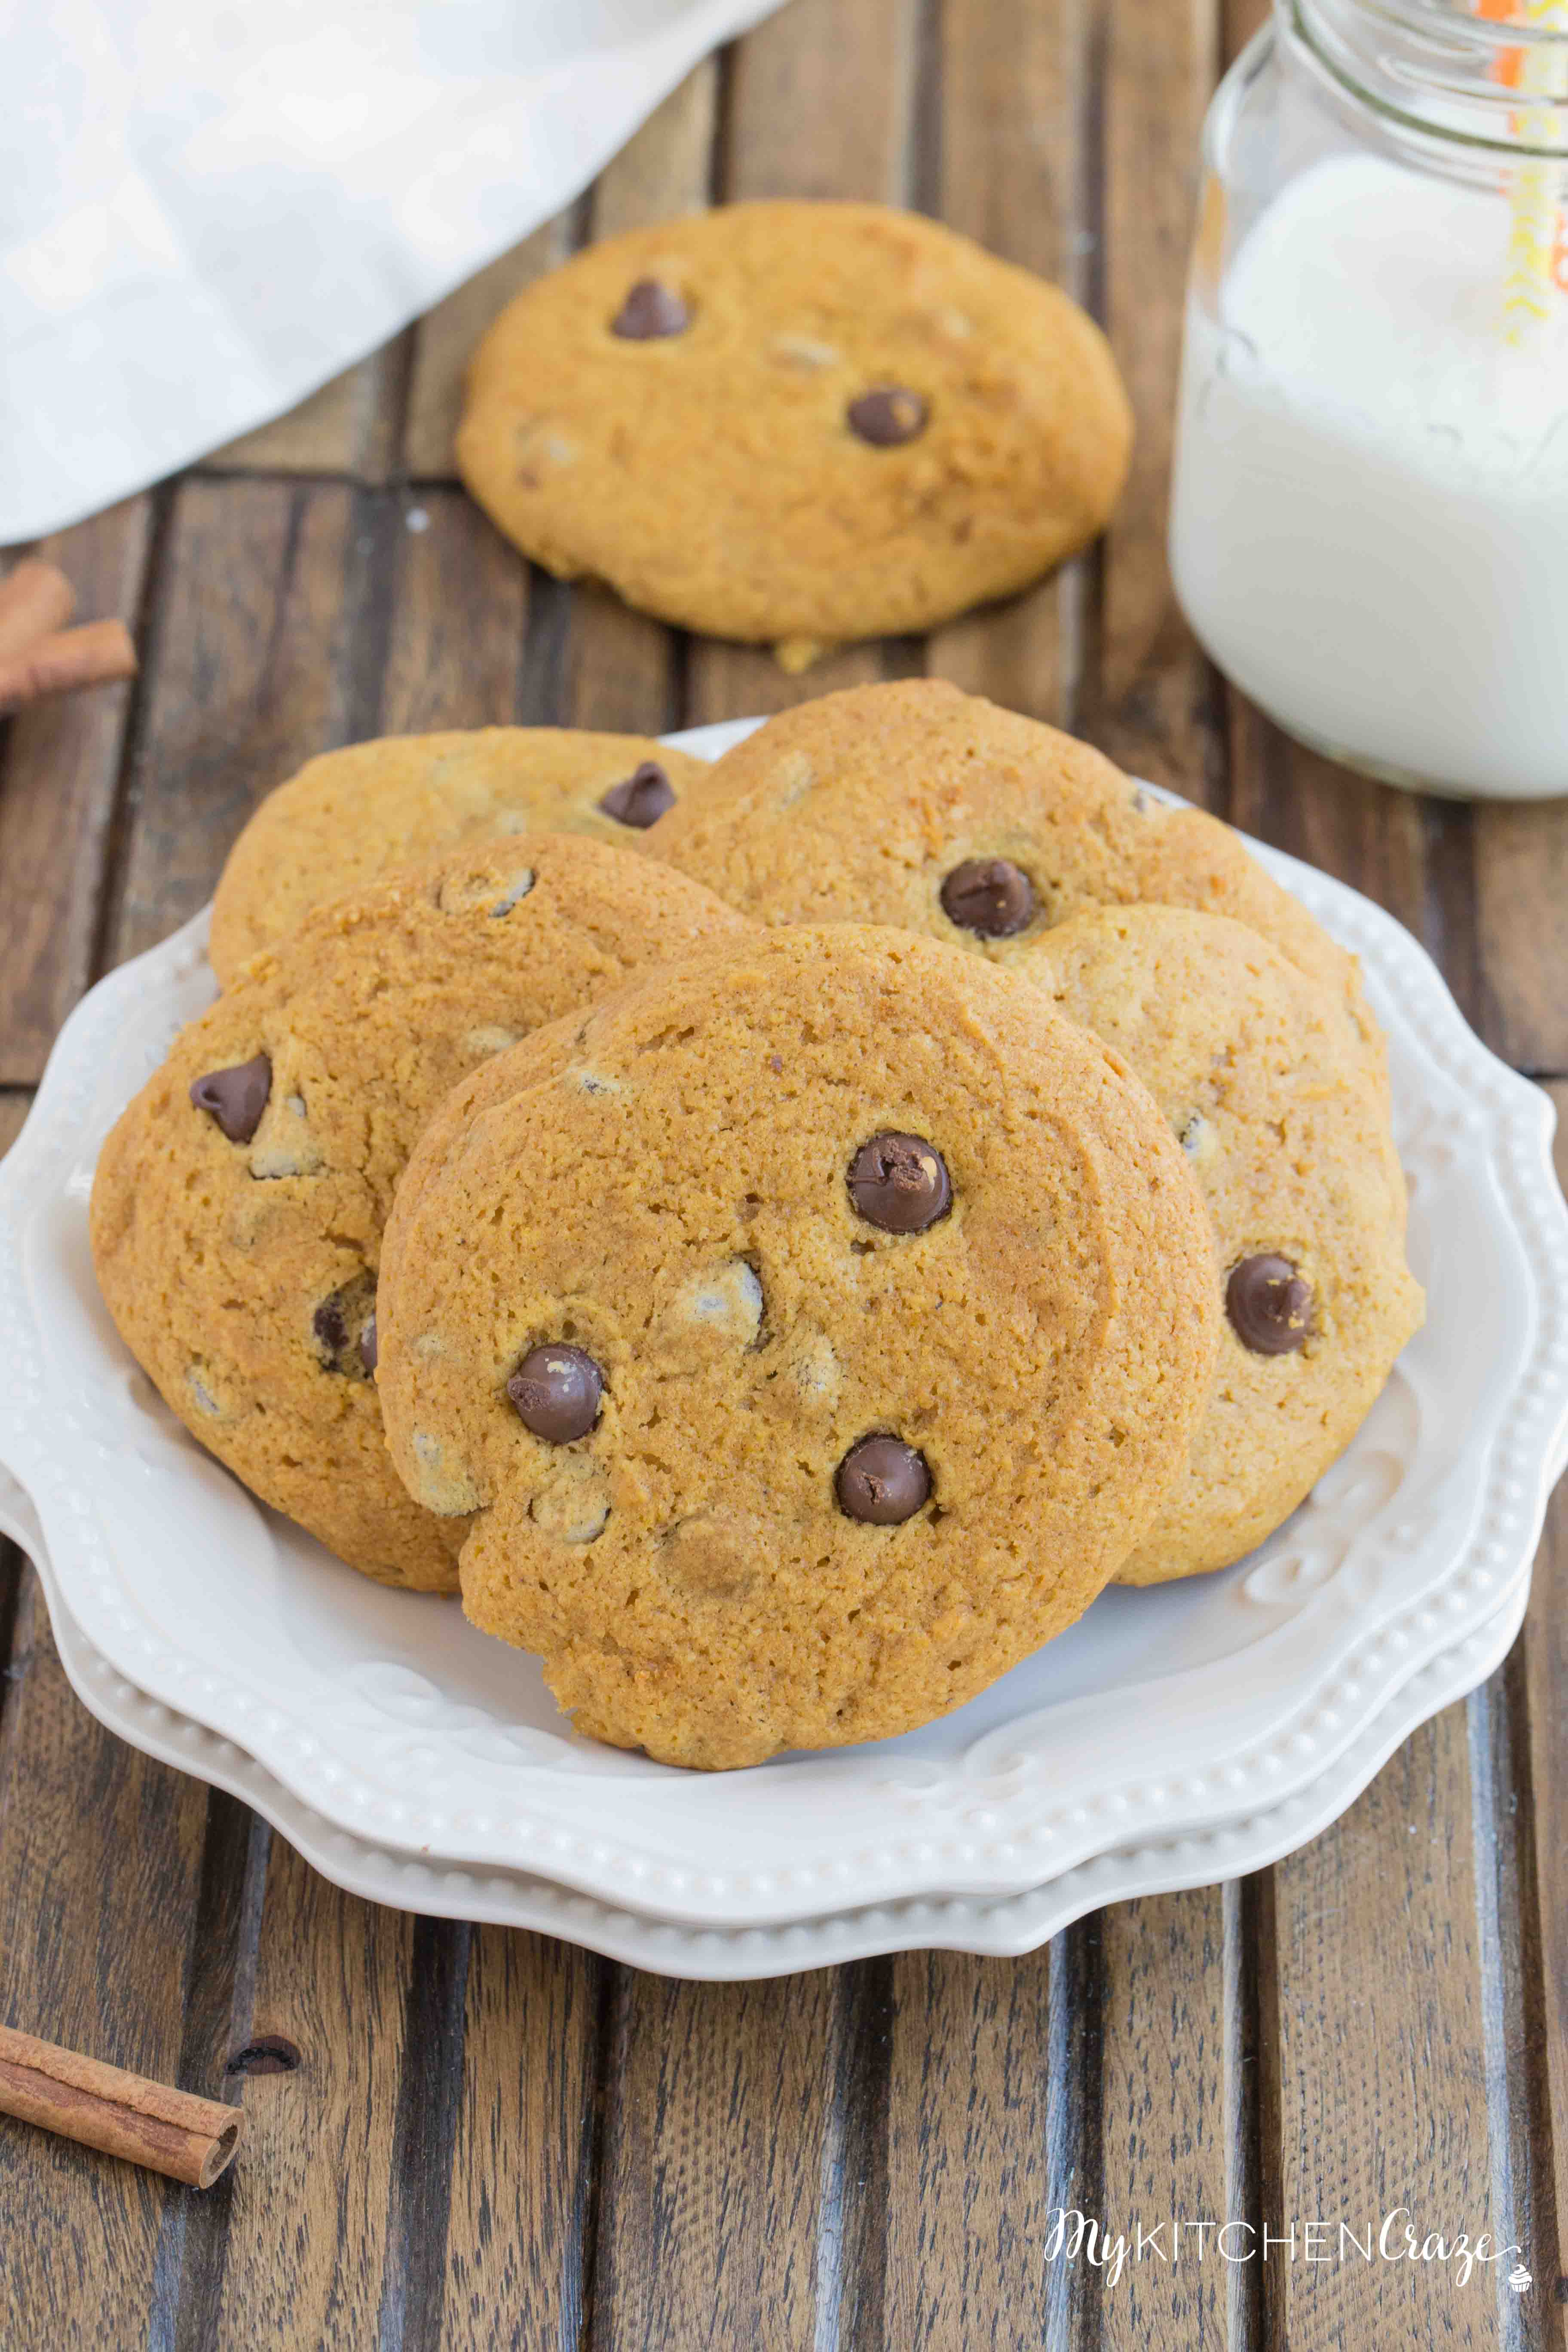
[210, 207]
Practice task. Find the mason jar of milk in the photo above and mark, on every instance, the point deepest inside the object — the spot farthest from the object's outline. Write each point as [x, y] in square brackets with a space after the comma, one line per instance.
[1369, 527]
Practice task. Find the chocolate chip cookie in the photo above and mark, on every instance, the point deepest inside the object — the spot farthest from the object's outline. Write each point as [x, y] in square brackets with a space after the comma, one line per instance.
[352, 815]
[1289, 1141]
[796, 422]
[238, 1204]
[798, 1340]
[914, 804]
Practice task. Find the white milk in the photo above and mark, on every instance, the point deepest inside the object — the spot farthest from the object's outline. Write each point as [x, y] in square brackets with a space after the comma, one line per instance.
[1369, 524]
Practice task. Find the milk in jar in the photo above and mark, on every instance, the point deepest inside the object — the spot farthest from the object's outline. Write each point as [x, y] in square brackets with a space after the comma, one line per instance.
[1369, 528]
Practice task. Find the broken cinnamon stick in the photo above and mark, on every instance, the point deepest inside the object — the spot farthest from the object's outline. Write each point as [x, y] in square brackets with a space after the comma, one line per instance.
[36, 598]
[91, 656]
[172, 2132]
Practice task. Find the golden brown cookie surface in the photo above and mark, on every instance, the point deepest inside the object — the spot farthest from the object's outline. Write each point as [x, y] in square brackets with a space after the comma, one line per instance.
[795, 421]
[236, 1233]
[917, 805]
[353, 815]
[1289, 1141]
[812, 1330]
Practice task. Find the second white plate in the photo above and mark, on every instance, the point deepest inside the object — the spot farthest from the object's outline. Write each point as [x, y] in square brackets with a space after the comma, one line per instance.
[1162, 1712]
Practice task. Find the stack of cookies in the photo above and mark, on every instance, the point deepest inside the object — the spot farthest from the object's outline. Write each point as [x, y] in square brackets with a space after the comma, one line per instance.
[778, 1238]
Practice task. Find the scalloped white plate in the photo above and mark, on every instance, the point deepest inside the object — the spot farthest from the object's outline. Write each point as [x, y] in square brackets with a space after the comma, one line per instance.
[1002, 1926]
[1165, 1709]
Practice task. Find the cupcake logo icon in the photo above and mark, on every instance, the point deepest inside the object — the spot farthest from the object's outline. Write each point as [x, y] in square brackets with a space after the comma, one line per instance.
[1519, 2278]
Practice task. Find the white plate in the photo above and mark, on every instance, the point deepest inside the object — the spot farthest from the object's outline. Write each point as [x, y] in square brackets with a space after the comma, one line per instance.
[1002, 1926]
[1175, 1708]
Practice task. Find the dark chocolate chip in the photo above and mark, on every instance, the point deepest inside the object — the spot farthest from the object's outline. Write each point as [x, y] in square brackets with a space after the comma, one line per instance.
[367, 1347]
[339, 1326]
[270, 2053]
[887, 415]
[557, 1391]
[649, 312]
[641, 799]
[1270, 1305]
[235, 1097]
[329, 1327]
[990, 895]
[899, 1183]
[882, 1481]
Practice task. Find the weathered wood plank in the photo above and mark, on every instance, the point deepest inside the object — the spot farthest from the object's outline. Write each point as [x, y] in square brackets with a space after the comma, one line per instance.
[1521, 926]
[1544, 1679]
[1009, 171]
[1148, 700]
[523, 2167]
[1368, 834]
[1375, 2060]
[306, 2257]
[666, 166]
[58, 790]
[975, 2154]
[348, 426]
[722, 2126]
[444, 338]
[459, 611]
[1173, 2112]
[101, 1867]
[244, 683]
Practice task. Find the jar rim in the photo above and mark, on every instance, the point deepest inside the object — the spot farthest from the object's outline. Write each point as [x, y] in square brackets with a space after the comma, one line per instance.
[1440, 74]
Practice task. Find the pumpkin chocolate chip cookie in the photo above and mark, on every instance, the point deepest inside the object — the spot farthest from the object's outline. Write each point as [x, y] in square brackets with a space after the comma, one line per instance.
[238, 1204]
[796, 422]
[370, 809]
[1289, 1141]
[798, 1340]
[917, 805]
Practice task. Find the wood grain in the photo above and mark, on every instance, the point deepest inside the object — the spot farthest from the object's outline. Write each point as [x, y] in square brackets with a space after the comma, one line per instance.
[1376, 2059]
[722, 2129]
[459, 611]
[57, 792]
[1521, 932]
[100, 1862]
[523, 2167]
[1544, 2058]
[306, 2258]
[348, 426]
[1009, 169]
[976, 2119]
[1149, 699]
[247, 681]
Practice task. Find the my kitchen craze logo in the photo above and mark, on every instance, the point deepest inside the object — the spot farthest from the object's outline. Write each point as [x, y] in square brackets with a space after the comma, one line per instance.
[1073, 2237]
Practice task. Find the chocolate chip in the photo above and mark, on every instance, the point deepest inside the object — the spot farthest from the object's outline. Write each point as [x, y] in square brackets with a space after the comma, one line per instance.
[641, 799]
[882, 1481]
[367, 1347]
[649, 312]
[990, 895]
[235, 1097]
[899, 1183]
[887, 415]
[269, 2053]
[339, 1326]
[1270, 1305]
[557, 1391]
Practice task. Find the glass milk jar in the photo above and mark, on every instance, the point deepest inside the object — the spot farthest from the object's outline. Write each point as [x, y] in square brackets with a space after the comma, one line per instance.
[1369, 527]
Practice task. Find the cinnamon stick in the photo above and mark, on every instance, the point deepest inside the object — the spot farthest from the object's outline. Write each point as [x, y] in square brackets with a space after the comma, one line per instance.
[59, 664]
[188, 2138]
[36, 597]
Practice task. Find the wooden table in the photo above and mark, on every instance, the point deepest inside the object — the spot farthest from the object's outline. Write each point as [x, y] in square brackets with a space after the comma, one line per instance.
[492, 2139]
